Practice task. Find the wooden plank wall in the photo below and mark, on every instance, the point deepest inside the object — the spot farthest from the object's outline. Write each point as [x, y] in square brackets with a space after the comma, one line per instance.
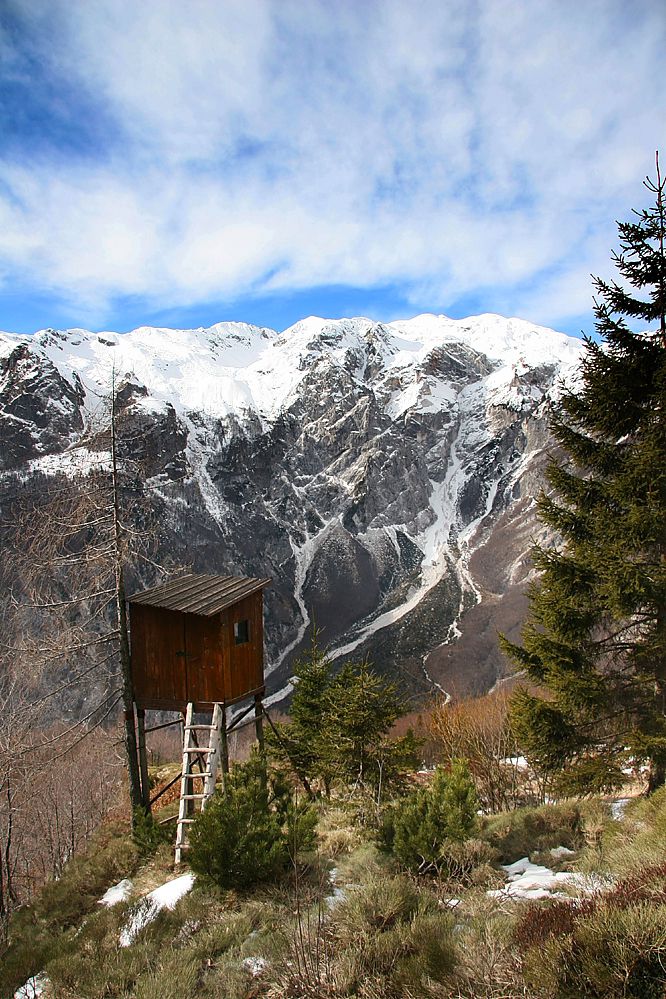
[244, 664]
[158, 671]
[178, 657]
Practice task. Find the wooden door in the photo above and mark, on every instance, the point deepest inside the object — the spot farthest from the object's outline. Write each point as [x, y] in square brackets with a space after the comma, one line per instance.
[158, 657]
[203, 654]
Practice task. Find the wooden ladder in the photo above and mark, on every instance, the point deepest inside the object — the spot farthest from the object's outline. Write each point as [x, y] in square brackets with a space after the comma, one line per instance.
[209, 761]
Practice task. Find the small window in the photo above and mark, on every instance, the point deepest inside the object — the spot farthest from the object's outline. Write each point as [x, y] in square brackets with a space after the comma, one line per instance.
[241, 632]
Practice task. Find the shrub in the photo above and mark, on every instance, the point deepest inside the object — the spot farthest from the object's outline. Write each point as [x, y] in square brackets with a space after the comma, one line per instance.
[478, 729]
[387, 938]
[541, 921]
[425, 833]
[148, 835]
[252, 832]
[608, 954]
[526, 831]
[377, 906]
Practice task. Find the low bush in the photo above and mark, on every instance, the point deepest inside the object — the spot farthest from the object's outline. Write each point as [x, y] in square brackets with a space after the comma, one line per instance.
[252, 832]
[489, 966]
[387, 938]
[610, 953]
[426, 830]
[149, 835]
[526, 831]
[392, 934]
[542, 921]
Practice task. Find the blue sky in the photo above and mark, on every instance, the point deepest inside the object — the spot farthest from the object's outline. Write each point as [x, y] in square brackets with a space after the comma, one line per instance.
[262, 160]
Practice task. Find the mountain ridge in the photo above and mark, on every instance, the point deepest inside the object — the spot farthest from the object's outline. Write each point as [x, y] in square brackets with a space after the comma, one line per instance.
[370, 468]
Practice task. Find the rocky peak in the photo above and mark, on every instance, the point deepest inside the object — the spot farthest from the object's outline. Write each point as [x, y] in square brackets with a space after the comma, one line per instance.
[369, 468]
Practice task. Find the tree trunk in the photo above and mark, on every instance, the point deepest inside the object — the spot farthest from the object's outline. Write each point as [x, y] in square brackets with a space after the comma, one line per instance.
[136, 796]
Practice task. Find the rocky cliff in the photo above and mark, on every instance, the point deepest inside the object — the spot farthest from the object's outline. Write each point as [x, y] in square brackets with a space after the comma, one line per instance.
[383, 474]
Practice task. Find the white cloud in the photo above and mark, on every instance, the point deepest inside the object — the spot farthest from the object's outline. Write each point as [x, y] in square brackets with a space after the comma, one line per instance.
[279, 144]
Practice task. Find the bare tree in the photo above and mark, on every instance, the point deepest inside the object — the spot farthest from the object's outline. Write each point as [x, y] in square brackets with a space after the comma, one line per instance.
[53, 793]
[479, 731]
[67, 557]
[14, 773]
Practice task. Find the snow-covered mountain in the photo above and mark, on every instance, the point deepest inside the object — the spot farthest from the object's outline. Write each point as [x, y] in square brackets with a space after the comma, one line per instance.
[383, 474]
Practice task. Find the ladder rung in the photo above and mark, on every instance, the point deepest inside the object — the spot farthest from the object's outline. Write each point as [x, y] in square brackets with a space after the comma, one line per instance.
[185, 822]
[192, 797]
[200, 728]
[198, 749]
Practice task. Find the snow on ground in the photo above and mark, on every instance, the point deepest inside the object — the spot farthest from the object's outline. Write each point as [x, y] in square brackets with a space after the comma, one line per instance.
[534, 881]
[255, 965]
[33, 988]
[561, 851]
[164, 897]
[520, 763]
[618, 806]
[338, 894]
[116, 893]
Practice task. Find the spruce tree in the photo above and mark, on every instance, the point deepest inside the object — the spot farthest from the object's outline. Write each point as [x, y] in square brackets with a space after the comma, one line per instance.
[300, 743]
[421, 833]
[340, 725]
[361, 709]
[595, 641]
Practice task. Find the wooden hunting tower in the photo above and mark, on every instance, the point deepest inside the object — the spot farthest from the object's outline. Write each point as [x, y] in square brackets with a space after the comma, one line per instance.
[197, 640]
[197, 646]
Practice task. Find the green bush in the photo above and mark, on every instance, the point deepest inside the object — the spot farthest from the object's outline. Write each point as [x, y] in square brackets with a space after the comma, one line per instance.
[613, 953]
[526, 831]
[391, 939]
[426, 830]
[148, 835]
[252, 832]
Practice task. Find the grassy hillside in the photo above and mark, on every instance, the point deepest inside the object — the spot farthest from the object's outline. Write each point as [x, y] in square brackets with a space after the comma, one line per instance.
[346, 920]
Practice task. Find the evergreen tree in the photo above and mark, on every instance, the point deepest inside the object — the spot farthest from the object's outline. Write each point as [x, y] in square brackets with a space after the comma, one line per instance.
[595, 642]
[301, 742]
[340, 724]
[423, 831]
[252, 831]
[361, 709]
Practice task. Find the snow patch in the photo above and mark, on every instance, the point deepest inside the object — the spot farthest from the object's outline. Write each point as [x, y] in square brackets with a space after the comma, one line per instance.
[164, 897]
[116, 893]
[561, 851]
[534, 881]
[618, 806]
[33, 988]
[255, 965]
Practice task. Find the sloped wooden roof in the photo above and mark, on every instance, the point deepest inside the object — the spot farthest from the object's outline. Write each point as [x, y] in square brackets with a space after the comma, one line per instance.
[200, 594]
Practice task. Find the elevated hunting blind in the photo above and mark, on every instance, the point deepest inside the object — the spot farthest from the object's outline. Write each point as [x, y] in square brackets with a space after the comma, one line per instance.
[197, 640]
[197, 646]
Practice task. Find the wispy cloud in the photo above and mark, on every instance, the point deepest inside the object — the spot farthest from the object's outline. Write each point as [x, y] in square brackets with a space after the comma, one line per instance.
[182, 153]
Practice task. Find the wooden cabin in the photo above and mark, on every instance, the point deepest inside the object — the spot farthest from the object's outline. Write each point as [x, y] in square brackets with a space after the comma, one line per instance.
[197, 640]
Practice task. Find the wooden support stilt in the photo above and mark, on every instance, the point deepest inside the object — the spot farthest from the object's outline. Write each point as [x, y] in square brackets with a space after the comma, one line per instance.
[259, 722]
[224, 746]
[143, 757]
